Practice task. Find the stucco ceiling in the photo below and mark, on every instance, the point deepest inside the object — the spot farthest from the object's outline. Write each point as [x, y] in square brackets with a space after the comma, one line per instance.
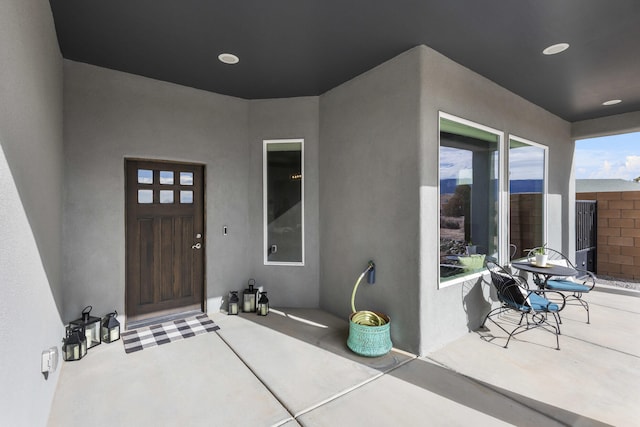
[291, 48]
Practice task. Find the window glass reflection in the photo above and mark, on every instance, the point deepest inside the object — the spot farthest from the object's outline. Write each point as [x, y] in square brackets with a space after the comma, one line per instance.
[166, 177]
[145, 176]
[186, 196]
[284, 202]
[526, 195]
[186, 178]
[145, 196]
[166, 196]
[469, 198]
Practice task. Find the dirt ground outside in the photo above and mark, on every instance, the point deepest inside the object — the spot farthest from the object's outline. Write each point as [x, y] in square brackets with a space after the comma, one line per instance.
[450, 232]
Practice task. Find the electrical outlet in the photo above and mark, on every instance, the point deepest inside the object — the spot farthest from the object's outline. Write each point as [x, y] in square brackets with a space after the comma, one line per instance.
[53, 358]
[45, 362]
[49, 360]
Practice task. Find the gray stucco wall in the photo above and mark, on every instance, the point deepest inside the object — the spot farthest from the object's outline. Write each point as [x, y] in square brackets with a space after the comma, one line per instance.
[287, 286]
[604, 126]
[30, 208]
[446, 86]
[110, 116]
[379, 190]
[369, 204]
[371, 189]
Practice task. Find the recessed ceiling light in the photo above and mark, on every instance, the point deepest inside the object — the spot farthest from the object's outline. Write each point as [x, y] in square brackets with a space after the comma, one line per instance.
[556, 48]
[612, 102]
[228, 58]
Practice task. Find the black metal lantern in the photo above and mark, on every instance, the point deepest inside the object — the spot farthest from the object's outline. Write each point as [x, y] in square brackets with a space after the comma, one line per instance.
[110, 328]
[74, 346]
[91, 326]
[263, 304]
[234, 301]
[249, 297]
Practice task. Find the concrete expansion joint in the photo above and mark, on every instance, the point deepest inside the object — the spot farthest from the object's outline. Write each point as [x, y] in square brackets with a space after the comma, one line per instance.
[323, 402]
[244, 362]
[283, 422]
[355, 387]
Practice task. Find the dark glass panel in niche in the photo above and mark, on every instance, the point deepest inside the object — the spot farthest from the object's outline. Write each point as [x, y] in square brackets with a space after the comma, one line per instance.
[284, 207]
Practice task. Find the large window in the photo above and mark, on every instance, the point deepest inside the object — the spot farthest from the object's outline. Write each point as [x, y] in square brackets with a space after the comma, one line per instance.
[283, 195]
[469, 197]
[527, 189]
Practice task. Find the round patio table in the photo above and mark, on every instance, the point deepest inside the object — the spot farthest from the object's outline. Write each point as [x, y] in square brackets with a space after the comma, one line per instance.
[547, 272]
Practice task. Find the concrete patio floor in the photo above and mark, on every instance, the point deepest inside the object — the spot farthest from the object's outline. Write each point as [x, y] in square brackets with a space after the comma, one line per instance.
[292, 368]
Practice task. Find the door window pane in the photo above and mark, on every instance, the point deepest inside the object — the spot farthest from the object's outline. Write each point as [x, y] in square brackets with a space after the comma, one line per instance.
[166, 196]
[283, 202]
[145, 176]
[186, 196]
[145, 196]
[527, 163]
[186, 178]
[166, 177]
[469, 196]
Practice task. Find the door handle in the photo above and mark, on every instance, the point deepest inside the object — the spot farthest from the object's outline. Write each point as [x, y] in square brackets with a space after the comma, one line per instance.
[196, 246]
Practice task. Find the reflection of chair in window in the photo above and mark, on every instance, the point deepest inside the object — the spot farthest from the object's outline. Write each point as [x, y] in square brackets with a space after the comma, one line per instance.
[574, 287]
[533, 306]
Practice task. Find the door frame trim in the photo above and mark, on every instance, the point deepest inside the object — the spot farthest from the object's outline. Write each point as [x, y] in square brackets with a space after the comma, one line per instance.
[204, 228]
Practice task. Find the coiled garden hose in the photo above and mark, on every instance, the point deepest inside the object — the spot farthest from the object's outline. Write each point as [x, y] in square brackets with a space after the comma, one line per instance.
[366, 318]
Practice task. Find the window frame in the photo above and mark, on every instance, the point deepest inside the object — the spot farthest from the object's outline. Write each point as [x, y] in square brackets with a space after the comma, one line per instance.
[265, 224]
[502, 199]
[545, 186]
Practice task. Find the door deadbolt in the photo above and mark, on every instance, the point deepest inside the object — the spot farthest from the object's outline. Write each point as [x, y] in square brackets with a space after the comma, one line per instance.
[196, 246]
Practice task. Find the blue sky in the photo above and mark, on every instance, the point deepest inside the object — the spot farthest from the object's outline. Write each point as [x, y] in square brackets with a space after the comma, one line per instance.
[608, 157]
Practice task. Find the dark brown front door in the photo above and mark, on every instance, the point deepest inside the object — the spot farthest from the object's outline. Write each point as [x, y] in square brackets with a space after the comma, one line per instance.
[165, 238]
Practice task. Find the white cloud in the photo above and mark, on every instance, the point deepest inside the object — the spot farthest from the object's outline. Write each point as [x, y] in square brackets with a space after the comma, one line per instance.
[526, 163]
[453, 161]
[633, 165]
[596, 164]
[611, 157]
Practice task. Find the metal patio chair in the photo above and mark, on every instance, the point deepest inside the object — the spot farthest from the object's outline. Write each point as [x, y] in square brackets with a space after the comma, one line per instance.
[533, 306]
[572, 287]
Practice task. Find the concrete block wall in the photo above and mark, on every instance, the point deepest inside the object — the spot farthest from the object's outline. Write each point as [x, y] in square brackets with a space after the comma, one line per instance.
[526, 221]
[618, 247]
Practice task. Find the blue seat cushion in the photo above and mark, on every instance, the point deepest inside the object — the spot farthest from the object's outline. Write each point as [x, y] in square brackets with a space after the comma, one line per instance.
[539, 303]
[566, 285]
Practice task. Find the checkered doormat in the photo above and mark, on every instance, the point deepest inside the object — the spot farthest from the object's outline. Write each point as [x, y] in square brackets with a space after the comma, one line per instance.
[154, 335]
